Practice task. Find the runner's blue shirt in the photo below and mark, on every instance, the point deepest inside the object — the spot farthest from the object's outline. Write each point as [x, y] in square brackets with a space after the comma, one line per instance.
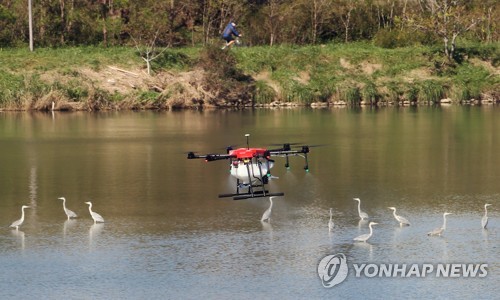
[230, 29]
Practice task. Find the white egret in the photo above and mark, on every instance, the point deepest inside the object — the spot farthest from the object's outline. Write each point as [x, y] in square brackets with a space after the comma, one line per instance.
[330, 223]
[68, 212]
[20, 221]
[439, 231]
[365, 237]
[362, 214]
[484, 220]
[97, 217]
[401, 220]
[267, 214]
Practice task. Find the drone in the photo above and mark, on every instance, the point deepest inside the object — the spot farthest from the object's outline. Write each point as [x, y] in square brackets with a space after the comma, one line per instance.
[252, 167]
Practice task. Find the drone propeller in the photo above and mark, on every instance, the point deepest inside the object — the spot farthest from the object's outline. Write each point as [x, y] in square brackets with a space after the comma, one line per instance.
[284, 144]
[229, 148]
[313, 146]
[187, 152]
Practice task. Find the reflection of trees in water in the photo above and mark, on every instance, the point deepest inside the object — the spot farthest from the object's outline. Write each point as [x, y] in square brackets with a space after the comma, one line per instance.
[33, 189]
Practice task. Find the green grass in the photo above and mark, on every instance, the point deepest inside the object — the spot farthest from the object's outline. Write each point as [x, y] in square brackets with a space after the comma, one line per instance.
[305, 74]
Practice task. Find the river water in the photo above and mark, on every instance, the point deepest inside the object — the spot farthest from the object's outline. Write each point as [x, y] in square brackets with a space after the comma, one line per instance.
[168, 236]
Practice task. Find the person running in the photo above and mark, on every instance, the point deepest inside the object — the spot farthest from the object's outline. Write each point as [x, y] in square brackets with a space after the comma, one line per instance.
[228, 34]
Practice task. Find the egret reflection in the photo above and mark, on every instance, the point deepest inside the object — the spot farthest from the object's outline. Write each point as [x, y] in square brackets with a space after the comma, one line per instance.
[68, 224]
[362, 223]
[330, 222]
[266, 217]
[94, 231]
[19, 235]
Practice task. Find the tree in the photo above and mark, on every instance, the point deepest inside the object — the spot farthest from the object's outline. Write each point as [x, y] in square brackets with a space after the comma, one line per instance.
[346, 9]
[447, 19]
[148, 51]
[272, 12]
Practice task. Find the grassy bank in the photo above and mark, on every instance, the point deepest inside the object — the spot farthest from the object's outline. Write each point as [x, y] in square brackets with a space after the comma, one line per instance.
[93, 78]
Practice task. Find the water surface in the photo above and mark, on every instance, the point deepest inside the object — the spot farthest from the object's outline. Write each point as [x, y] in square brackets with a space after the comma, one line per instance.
[168, 235]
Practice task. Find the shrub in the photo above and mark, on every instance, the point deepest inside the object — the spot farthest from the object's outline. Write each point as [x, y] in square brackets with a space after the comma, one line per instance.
[411, 93]
[350, 94]
[391, 39]
[393, 91]
[460, 92]
[430, 91]
[172, 60]
[264, 93]
[370, 93]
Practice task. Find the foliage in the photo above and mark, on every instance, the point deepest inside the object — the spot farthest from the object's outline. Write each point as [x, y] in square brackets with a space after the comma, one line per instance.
[223, 78]
[391, 39]
[172, 60]
[430, 91]
[271, 22]
[316, 73]
[411, 92]
[264, 94]
[369, 92]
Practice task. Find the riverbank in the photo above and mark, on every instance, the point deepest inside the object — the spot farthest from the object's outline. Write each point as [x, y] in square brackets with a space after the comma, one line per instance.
[92, 78]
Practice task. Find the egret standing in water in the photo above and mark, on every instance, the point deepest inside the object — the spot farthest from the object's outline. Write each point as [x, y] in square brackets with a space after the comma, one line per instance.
[484, 220]
[330, 223]
[267, 214]
[362, 214]
[68, 212]
[97, 217]
[20, 221]
[365, 237]
[402, 221]
[439, 231]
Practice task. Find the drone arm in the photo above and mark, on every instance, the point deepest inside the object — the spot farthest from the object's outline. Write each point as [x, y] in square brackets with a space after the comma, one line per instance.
[210, 157]
[286, 151]
[303, 150]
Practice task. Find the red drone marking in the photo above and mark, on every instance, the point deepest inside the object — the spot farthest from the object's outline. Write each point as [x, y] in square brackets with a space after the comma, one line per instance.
[247, 152]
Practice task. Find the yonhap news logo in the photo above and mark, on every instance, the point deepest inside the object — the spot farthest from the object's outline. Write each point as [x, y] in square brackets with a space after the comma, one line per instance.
[333, 270]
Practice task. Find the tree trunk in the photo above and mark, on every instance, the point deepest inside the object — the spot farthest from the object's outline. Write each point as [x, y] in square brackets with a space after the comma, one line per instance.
[30, 21]
[453, 45]
[488, 24]
[446, 52]
[404, 15]
[314, 25]
[347, 22]
[171, 18]
[104, 12]
[271, 22]
[70, 16]
[63, 21]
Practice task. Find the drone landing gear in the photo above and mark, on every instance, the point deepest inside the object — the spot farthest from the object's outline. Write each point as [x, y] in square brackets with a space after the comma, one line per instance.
[256, 189]
[256, 194]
